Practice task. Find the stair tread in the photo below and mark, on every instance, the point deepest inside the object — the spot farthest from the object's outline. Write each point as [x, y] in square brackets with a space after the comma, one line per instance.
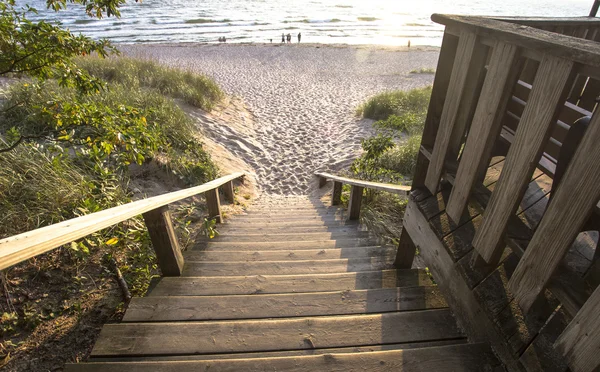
[290, 255]
[272, 335]
[212, 268]
[287, 244]
[278, 237]
[459, 357]
[179, 308]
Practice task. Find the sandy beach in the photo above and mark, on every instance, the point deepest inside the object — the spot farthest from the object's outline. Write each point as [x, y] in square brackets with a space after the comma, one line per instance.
[291, 110]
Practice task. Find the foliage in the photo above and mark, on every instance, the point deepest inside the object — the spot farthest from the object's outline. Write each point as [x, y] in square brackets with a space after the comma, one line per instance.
[390, 156]
[381, 106]
[208, 228]
[194, 89]
[423, 70]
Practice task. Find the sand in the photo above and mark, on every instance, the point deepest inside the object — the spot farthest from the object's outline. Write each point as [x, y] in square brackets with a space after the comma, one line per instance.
[291, 110]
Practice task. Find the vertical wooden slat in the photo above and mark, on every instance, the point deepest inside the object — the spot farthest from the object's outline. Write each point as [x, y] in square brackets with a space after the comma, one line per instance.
[497, 89]
[228, 192]
[406, 251]
[356, 194]
[580, 341]
[213, 204]
[464, 54]
[436, 104]
[547, 97]
[336, 195]
[164, 241]
[566, 214]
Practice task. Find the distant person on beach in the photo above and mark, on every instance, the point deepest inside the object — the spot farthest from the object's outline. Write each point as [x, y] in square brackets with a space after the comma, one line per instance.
[283, 38]
[299, 36]
[289, 38]
[220, 39]
[409, 43]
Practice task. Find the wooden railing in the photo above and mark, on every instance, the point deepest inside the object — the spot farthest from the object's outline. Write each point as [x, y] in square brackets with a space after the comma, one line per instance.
[155, 211]
[357, 191]
[514, 87]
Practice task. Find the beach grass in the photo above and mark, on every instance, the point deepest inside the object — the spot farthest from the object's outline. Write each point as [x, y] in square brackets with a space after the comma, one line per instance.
[426, 71]
[194, 89]
[385, 104]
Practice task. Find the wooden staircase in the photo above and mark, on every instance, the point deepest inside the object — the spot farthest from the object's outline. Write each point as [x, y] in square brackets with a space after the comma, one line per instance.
[289, 287]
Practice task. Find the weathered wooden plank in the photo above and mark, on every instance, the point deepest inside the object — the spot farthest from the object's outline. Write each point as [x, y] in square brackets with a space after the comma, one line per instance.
[279, 354]
[228, 192]
[501, 77]
[291, 245]
[538, 42]
[580, 341]
[178, 308]
[213, 205]
[464, 357]
[340, 265]
[291, 255]
[236, 285]
[468, 50]
[336, 194]
[164, 241]
[243, 230]
[343, 233]
[388, 187]
[271, 335]
[460, 298]
[406, 252]
[547, 96]
[573, 201]
[436, 103]
[21, 247]
[356, 194]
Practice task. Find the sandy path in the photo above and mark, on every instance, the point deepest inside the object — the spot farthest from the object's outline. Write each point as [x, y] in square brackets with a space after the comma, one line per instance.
[302, 99]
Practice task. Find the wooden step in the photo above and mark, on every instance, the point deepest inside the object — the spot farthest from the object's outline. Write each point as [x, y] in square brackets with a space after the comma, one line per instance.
[279, 354]
[297, 212]
[234, 223]
[260, 284]
[272, 335]
[460, 358]
[240, 229]
[288, 245]
[292, 209]
[290, 255]
[179, 308]
[232, 237]
[261, 218]
[341, 265]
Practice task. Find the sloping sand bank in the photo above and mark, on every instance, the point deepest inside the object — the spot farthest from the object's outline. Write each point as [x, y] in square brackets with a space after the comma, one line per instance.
[301, 101]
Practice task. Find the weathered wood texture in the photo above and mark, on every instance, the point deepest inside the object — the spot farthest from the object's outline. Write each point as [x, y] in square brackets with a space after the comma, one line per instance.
[266, 335]
[436, 104]
[465, 358]
[388, 187]
[213, 204]
[228, 192]
[21, 247]
[500, 78]
[236, 285]
[406, 251]
[580, 342]
[164, 241]
[547, 96]
[356, 195]
[178, 308]
[572, 202]
[336, 194]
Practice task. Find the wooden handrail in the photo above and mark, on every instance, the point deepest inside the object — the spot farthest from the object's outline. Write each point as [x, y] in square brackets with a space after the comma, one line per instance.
[388, 187]
[24, 246]
[356, 191]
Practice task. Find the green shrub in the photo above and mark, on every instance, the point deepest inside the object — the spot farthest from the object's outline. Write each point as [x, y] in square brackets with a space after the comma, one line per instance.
[197, 90]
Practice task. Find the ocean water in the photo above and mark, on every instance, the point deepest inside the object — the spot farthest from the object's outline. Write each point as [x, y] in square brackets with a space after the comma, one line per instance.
[385, 22]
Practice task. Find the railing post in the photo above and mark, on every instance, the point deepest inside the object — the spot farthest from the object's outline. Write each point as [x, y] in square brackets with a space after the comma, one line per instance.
[213, 204]
[164, 241]
[336, 195]
[322, 181]
[356, 194]
[406, 251]
[228, 192]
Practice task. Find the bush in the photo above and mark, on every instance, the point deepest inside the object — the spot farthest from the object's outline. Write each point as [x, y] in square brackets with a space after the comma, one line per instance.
[197, 90]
